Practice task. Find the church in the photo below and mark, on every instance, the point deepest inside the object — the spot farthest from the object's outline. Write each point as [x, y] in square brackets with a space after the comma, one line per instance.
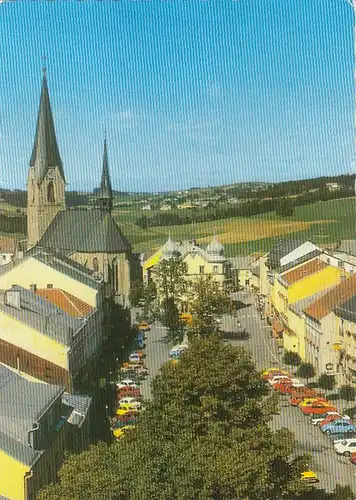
[89, 236]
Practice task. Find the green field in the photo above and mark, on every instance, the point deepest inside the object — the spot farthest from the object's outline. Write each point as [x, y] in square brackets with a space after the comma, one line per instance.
[322, 223]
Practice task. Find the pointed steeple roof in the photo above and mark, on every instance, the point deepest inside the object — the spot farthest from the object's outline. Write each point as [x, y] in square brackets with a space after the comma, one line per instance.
[105, 194]
[105, 185]
[45, 153]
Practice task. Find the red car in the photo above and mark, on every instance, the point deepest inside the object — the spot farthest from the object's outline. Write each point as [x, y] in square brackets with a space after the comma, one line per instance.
[317, 408]
[296, 400]
[329, 419]
[123, 393]
[353, 458]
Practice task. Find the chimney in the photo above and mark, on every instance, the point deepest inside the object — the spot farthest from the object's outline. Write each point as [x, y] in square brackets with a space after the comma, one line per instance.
[33, 287]
[13, 297]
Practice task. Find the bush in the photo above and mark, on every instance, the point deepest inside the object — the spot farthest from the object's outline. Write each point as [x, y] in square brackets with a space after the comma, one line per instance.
[306, 370]
[347, 392]
[292, 358]
[326, 382]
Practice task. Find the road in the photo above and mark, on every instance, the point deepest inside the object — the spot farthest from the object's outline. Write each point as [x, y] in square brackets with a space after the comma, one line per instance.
[157, 353]
[330, 467]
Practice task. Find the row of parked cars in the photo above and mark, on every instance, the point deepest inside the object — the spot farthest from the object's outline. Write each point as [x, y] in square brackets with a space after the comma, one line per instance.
[322, 413]
[128, 391]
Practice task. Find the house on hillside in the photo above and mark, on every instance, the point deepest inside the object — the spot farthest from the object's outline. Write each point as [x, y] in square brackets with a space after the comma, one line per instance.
[333, 186]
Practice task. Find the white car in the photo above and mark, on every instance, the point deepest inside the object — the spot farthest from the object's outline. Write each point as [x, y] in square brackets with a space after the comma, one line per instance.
[319, 418]
[296, 382]
[345, 446]
[278, 378]
[127, 383]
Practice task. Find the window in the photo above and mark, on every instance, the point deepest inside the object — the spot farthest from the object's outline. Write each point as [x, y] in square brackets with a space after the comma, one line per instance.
[49, 285]
[114, 275]
[328, 260]
[95, 265]
[215, 269]
[50, 193]
[201, 269]
[340, 264]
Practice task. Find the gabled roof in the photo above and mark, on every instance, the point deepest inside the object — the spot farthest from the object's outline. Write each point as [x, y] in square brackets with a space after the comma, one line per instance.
[22, 403]
[337, 296]
[81, 230]
[45, 153]
[65, 301]
[42, 315]
[312, 267]
[347, 310]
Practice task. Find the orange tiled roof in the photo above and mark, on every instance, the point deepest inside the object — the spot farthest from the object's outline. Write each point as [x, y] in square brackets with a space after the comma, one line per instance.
[65, 301]
[307, 269]
[335, 297]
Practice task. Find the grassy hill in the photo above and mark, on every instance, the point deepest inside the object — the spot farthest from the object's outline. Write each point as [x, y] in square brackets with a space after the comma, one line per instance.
[322, 223]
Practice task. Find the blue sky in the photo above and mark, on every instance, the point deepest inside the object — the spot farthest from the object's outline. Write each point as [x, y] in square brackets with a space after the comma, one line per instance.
[190, 92]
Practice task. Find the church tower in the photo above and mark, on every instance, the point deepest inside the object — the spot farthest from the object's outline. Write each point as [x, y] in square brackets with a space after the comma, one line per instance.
[46, 181]
[105, 197]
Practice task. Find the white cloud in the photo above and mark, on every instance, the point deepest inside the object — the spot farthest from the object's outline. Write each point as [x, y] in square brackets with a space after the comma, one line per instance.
[213, 89]
[126, 116]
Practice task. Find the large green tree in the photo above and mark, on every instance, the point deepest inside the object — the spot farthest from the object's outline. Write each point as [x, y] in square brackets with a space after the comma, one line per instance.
[171, 278]
[208, 301]
[205, 436]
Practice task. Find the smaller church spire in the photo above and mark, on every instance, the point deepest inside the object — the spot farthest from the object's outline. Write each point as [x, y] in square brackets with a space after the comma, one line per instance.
[105, 194]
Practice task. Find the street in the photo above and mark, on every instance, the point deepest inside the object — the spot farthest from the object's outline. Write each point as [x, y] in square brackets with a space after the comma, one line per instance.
[329, 467]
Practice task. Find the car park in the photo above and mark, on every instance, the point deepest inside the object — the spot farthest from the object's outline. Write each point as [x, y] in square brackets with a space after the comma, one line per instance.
[338, 427]
[345, 447]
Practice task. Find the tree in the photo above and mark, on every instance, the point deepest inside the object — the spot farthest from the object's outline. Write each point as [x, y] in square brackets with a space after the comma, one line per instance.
[347, 392]
[136, 292]
[285, 207]
[171, 278]
[326, 381]
[292, 358]
[306, 370]
[170, 318]
[207, 302]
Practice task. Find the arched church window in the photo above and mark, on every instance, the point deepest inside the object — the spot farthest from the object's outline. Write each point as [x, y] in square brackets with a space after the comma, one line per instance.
[115, 281]
[95, 264]
[50, 193]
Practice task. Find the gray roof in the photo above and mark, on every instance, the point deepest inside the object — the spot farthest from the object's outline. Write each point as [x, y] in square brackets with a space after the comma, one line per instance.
[42, 315]
[45, 153]
[299, 260]
[243, 262]
[60, 263]
[80, 405]
[347, 246]
[347, 310]
[298, 306]
[280, 249]
[22, 403]
[84, 230]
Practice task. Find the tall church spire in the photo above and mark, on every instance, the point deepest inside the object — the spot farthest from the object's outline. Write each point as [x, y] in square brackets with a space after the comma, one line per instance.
[105, 194]
[45, 153]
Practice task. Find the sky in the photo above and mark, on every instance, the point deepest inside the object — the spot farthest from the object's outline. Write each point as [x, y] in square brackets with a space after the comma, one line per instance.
[190, 92]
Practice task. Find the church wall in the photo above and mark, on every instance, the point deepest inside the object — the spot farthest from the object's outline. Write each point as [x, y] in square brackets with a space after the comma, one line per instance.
[40, 211]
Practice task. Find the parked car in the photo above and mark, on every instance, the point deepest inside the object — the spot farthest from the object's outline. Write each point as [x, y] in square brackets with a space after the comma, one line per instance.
[288, 389]
[177, 350]
[345, 446]
[353, 458]
[128, 392]
[270, 372]
[277, 378]
[126, 383]
[308, 392]
[320, 418]
[119, 433]
[125, 413]
[129, 403]
[338, 427]
[144, 326]
[330, 418]
[297, 400]
[283, 384]
[317, 408]
[309, 476]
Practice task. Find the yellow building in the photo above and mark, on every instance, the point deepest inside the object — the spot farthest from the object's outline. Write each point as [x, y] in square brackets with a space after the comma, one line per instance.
[33, 435]
[65, 325]
[346, 313]
[301, 281]
[209, 261]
